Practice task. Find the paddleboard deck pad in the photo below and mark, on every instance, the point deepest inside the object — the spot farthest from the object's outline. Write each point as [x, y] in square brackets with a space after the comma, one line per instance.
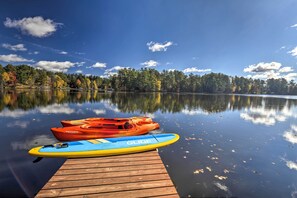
[105, 147]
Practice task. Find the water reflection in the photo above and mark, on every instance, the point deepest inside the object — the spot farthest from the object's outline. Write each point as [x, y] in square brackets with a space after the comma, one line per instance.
[99, 111]
[259, 110]
[35, 141]
[13, 113]
[291, 134]
[56, 109]
[230, 145]
[17, 123]
[291, 165]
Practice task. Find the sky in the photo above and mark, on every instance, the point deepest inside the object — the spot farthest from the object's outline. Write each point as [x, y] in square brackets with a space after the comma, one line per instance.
[256, 38]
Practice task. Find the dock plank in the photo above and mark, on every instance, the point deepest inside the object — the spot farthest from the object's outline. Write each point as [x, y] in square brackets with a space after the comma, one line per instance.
[81, 190]
[106, 169]
[132, 175]
[106, 160]
[162, 192]
[111, 164]
[107, 175]
[105, 181]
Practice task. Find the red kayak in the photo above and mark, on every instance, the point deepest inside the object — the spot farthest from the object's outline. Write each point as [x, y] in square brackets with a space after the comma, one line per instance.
[141, 120]
[99, 130]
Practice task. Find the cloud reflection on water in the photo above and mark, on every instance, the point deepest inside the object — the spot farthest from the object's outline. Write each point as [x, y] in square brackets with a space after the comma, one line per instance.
[99, 111]
[14, 113]
[35, 141]
[194, 112]
[50, 109]
[56, 109]
[291, 134]
[265, 116]
[291, 165]
[20, 124]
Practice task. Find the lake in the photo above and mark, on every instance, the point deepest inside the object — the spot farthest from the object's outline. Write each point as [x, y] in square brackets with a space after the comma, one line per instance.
[230, 145]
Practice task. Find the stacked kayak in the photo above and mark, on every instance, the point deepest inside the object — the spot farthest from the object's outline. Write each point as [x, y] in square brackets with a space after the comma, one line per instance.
[105, 147]
[95, 137]
[139, 120]
[104, 128]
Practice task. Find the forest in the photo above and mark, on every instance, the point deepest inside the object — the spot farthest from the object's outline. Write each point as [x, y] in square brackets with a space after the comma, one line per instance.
[143, 80]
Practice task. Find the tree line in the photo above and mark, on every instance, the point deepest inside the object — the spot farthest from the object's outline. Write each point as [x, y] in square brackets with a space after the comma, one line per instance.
[143, 80]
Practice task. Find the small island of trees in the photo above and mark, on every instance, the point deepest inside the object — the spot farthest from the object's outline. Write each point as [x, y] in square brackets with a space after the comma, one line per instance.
[143, 80]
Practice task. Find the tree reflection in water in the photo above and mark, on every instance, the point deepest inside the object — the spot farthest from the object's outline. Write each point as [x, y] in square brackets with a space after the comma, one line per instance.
[147, 102]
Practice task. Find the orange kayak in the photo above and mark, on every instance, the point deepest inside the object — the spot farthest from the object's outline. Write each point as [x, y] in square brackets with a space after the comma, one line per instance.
[141, 120]
[98, 130]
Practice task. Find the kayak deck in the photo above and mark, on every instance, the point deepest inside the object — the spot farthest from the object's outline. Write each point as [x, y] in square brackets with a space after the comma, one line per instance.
[132, 175]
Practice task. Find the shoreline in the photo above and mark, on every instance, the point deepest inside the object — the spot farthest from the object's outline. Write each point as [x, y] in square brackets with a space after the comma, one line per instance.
[143, 92]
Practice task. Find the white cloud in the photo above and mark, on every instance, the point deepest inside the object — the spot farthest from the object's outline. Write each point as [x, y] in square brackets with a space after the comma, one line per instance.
[293, 26]
[273, 74]
[195, 70]
[150, 63]
[35, 52]
[34, 26]
[18, 47]
[13, 58]
[117, 68]
[270, 70]
[171, 70]
[63, 52]
[79, 71]
[104, 76]
[266, 75]
[290, 76]
[293, 52]
[99, 111]
[98, 65]
[291, 135]
[54, 66]
[262, 67]
[157, 47]
[286, 69]
[80, 64]
[88, 74]
[113, 71]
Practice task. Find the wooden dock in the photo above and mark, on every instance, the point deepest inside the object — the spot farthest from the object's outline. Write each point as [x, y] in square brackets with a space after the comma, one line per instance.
[132, 175]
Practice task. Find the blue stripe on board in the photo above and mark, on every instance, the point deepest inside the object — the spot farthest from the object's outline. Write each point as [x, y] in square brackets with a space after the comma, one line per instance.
[74, 143]
[124, 142]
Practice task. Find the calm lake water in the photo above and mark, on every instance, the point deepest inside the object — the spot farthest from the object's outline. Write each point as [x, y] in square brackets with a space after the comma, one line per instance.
[230, 145]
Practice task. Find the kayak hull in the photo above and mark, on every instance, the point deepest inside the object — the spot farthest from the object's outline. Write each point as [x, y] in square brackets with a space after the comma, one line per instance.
[85, 132]
[141, 120]
[105, 147]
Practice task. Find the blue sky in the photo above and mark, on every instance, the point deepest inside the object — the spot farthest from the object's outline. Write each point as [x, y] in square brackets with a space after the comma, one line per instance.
[246, 38]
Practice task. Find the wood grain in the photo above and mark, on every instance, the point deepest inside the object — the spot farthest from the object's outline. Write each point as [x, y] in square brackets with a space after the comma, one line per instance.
[133, 175]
